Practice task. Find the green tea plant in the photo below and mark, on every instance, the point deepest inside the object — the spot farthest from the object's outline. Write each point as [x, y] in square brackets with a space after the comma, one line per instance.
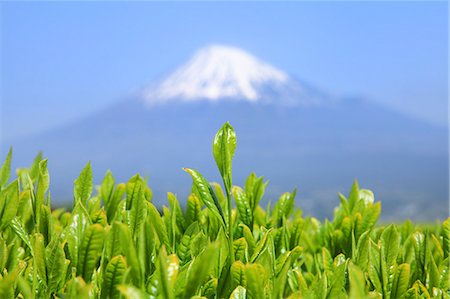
[114, 242]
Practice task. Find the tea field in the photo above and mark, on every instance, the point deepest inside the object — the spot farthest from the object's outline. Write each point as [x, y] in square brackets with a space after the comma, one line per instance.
[115, 243]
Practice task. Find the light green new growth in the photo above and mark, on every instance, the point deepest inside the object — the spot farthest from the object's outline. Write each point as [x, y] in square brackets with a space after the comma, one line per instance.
[115, 243]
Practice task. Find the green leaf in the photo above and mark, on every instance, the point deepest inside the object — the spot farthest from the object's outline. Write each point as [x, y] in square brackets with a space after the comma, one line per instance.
[23, 287]
[206, 194]
[357, 282]
[45, 225]
[445, 232]
[435, 276]
[390, 244]
[131, 292]
[176, 210]
[256, 280]
[336, 289]
[130, 252]
[419, 243]
[370, 218]
[284, 207]
[113, 277]
[221, 197]
[296, 232]
[114, 202]
[248, 238]
[353, 196]
[137, 213]
[39, 256]
[9, 203]
[3, 254]
[83, 185]
[319, 288]
[282, 272]
[163, 285]
[374, 268]
[42, 185]
[74, 232]
[184, 247]
[362, 251]
[224, 146]
[199, 270]
[240, 249]
[243, 206]
[34, 170]
[5, 170]
[327, 259]
[208, 289]
[7, 285]
[401, 281]
[132, 188]
[158, 224]
[113, 241]
[261, 247]
[193, 209]
[172, 265]
[239, 293]
[107, 188]
[254, 188]
[55, 262]
[90, 251]
[238, 277]
[19, 230]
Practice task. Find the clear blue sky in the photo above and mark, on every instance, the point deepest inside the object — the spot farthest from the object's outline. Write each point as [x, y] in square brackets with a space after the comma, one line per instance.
[61, 61]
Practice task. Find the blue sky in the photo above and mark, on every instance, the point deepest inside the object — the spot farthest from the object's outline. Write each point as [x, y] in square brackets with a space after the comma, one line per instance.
[61, 61]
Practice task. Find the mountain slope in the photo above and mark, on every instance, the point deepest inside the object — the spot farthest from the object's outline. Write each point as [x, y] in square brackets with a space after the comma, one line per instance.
[403, 161]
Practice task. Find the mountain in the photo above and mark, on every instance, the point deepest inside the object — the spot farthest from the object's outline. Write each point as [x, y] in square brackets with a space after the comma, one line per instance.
[293, 134]
[223, 73]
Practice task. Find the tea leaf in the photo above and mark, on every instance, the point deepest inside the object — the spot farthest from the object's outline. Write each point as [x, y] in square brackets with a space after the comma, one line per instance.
[224, 146]
[199, 269]
[206, 194]
[131, 292]
[239, 293]
[9, 203]
[256, 279]
[401, 280]
[243, 206]
[114, 276]
[390, 244]
[238, 277]
[83, 185]
[5, 170]
[357, 282]
[55, 263]
[90, 250]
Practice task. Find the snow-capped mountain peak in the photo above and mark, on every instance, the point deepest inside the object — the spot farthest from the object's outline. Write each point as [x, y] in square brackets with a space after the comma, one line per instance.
[218, 72]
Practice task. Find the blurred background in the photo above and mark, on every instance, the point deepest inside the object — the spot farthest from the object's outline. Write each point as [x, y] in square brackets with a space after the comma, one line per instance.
[319, 94]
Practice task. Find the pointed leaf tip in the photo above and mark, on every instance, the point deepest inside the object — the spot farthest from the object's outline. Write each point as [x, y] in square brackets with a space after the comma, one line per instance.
[83, 185]
[5, 170]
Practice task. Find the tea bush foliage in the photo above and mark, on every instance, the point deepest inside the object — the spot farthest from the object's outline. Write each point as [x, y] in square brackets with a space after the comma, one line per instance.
[115, 243]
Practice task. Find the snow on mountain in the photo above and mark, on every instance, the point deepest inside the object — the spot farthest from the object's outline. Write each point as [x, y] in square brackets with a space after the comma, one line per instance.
[220, 72]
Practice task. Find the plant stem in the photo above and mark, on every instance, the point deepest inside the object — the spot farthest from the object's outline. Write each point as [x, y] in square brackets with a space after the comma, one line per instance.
[230, 228]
